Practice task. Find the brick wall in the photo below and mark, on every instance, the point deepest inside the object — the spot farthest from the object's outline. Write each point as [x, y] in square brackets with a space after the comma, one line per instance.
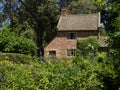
[60, 43]
[82, 34]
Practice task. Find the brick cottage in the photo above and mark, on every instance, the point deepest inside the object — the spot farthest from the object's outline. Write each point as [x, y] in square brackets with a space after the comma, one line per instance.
[69, 29]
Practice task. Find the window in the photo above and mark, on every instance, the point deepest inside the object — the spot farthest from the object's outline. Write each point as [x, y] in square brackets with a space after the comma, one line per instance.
[52, 53]
[71, 35]
[71, 52]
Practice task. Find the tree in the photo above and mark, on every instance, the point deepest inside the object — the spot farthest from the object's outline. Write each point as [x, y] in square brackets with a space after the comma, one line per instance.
[115, 49]
[11, 43]
[79, 6]
[111, 21]
[109, 12]
[8, 9]
[41, 16]
[82, 6]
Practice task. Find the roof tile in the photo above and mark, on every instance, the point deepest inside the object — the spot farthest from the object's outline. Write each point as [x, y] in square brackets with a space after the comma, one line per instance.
[78, 22]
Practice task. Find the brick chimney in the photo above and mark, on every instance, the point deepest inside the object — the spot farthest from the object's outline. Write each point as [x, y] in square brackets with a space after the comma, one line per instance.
[64, 11]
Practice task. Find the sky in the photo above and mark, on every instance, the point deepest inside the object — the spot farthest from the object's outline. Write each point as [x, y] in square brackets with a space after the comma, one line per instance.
[1, 12]
[0, 4]
[1, 7]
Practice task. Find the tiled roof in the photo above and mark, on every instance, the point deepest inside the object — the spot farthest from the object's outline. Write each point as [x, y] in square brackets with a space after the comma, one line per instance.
[79, 22]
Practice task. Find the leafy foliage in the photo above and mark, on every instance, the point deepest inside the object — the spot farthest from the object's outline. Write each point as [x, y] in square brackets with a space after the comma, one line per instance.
[11, 43]
[40, 16]
[102, 73]
[114, 51]
[82, 6]
[87, 46]
[17, 58]
[76, 74]
[109, 12]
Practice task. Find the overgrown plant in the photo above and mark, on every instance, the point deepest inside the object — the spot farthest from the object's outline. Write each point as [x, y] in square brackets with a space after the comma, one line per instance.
[11, 43]
[87, 46]
[56, 75]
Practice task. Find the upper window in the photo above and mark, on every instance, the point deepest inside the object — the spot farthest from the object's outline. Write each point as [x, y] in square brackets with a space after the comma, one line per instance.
[71, 35]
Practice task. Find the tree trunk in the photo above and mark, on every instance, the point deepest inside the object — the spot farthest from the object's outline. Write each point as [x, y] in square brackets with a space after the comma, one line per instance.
[40, 50]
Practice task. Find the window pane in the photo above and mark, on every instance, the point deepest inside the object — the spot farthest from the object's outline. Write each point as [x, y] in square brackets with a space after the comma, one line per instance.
[68, 35]
[52, 53]
[71, 52]
[71, 35]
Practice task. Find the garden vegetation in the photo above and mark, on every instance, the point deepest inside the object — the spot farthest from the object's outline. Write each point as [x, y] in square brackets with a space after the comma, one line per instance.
[26, 26]
[77, 74]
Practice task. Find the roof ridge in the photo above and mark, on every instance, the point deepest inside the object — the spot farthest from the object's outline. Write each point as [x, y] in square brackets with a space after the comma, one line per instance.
[83, 14]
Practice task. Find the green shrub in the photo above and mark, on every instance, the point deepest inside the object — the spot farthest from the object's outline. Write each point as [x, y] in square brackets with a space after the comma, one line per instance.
[17, 58]
[80, 74]
[16, 76]
[101, 57]
[87, 46]
[13, 44]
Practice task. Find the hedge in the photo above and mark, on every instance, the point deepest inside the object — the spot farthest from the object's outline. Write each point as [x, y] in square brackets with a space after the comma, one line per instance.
[16, 57]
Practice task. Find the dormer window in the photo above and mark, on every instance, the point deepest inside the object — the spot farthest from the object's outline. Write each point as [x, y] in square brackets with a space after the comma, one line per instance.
[71, 35]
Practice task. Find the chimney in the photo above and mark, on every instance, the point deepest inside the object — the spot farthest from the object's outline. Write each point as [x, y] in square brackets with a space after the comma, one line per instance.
[64, 12]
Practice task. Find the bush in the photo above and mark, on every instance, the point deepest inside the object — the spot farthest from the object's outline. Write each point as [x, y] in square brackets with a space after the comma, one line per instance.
[13, 44]
[17, 58]
[16, 76]
[101, 57]
[56, 75]
[87, 46]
